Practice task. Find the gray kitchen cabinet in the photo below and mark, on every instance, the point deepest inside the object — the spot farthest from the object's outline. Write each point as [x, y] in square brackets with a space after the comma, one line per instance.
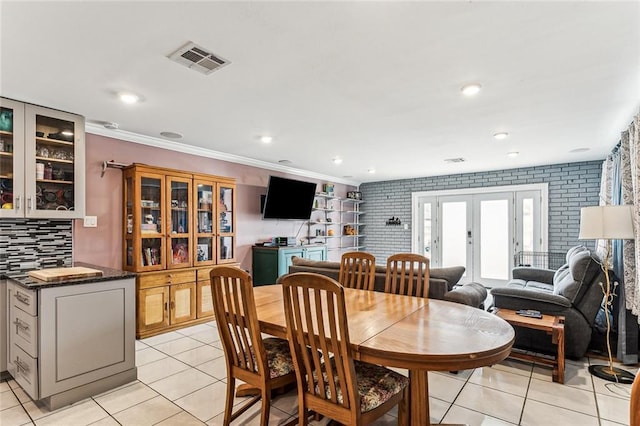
[42, 162]
[69, 342]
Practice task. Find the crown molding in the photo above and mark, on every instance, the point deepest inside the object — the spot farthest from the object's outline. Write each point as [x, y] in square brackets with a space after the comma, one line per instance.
[124, 135]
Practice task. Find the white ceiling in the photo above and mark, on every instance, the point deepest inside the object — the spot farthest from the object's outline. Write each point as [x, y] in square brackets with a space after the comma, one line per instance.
[376, 83]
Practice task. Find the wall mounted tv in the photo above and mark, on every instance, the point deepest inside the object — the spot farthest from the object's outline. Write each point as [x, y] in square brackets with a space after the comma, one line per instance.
[288, 199]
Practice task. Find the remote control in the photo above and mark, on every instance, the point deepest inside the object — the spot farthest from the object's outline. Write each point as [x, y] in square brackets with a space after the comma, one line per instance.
[531, 313]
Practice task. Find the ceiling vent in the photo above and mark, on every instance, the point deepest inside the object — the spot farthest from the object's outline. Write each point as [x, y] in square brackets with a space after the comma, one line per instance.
[455, 160]
[198, 59]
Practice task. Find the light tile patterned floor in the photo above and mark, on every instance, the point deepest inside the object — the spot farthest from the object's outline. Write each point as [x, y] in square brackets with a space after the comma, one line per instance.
[181, 381]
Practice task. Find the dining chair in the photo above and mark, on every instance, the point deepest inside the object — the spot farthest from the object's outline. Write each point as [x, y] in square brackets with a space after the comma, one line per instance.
[634, 404]
[330, 382]
[265, 363]
[357, 270]
[407, 274]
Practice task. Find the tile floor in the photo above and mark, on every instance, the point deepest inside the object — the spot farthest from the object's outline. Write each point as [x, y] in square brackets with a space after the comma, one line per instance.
[181, 381]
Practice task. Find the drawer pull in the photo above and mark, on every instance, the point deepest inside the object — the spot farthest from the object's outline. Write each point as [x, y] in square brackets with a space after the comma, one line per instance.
[21, 325]
[21, 366]
[22, 298]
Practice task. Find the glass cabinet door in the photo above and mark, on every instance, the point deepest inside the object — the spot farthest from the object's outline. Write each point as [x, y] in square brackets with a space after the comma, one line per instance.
[205, 247]
[54, 164]
[226, 222]
[11, 158]
[179, 222]
[148, 223]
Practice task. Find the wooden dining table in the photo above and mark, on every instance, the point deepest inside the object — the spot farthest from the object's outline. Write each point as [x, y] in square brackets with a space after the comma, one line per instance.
[407, 332]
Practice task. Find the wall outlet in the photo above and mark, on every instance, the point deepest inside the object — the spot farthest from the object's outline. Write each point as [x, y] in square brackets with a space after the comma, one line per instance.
[91, 221]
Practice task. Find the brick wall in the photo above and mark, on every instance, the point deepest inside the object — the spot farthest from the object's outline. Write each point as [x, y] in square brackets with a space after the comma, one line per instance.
[571, 186]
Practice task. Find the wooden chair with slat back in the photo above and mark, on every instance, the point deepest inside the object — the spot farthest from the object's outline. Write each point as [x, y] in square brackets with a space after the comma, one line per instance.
[357, 270]
[407, 274]
[634, 404]
[263, 363]
[330, 382]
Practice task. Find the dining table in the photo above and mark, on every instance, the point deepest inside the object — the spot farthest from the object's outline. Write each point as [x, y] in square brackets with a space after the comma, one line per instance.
[413, 333]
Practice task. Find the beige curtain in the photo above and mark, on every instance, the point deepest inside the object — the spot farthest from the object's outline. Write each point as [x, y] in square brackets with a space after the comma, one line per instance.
[630, 151]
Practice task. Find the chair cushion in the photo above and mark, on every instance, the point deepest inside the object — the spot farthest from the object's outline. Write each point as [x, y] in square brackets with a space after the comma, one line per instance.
[569, 278]
[376, 384]
[279, 358]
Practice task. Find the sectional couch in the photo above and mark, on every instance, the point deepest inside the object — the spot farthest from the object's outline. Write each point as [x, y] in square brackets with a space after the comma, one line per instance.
[442, 281]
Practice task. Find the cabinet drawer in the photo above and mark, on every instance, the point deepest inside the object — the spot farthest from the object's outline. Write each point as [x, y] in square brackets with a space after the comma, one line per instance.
[26, 371]
[26, 300]
[24, 331]
[203, 274]
[164, 278]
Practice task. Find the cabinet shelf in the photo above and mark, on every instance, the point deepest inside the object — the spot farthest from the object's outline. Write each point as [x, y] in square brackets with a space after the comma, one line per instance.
[5, 133]
[54, 160]
[54, 142]
[6, 154]
[64, 182]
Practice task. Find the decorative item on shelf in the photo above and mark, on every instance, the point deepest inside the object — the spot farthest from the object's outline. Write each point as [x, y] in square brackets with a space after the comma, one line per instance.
[354, 195]
[39, 170]
[48, 171]
[349, 230]
[330, 232]
[180, 253]
[393, 221]
[607, 223]
[329, 220]
[328, 188]
[6, 120]
[203, 252]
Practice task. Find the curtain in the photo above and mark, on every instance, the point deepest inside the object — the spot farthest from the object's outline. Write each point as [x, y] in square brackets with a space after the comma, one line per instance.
[630, 150]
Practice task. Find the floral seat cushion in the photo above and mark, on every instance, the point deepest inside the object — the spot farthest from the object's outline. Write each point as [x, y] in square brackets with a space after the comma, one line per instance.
[376, 385]
[278, 357]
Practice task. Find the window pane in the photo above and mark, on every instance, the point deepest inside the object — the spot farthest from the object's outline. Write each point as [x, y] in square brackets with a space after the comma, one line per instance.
[494, 235]
[427, 229]
[527, 225]
[454, 234]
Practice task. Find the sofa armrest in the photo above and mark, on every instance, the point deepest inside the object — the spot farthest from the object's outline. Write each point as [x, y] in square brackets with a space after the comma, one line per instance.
[519, 298]
[533, 274]
[437, 288]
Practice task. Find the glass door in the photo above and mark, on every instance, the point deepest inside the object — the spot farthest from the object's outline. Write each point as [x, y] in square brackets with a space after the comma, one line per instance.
[205, 246]
[148, 222]
[11, 158]
[179, 196]
[226, 222]
[54, 158]
[455, 234]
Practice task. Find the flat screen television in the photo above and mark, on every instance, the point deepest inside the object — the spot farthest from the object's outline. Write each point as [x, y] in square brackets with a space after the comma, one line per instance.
[288, 199]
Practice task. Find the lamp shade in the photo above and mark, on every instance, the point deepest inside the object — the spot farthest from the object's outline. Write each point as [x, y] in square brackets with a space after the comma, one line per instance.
[606, 223]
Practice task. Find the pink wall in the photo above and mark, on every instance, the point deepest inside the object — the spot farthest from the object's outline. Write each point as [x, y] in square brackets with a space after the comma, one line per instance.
[103, 245]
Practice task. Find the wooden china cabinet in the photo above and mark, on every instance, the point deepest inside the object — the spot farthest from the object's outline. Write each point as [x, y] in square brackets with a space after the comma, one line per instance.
[177, 225]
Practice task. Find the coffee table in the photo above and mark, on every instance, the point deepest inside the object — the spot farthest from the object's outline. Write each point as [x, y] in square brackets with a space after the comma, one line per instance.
[551, 324]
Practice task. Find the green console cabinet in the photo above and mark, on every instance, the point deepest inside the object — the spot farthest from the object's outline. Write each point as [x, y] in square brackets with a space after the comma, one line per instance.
[269, 263]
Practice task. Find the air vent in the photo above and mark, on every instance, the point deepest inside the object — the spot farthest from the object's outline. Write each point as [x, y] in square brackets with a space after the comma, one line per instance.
[198, 59]
[455, 160]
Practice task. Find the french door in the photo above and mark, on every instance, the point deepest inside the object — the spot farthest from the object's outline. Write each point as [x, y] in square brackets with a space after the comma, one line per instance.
[480, 230]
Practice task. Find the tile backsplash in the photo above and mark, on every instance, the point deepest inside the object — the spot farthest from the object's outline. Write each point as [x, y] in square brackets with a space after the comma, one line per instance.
[27, 244]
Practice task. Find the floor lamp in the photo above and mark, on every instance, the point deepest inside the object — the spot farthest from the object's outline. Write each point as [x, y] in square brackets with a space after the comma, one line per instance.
[607, 223]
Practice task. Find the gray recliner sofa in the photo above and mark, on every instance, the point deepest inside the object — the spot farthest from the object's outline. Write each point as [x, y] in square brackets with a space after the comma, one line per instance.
[573, 291]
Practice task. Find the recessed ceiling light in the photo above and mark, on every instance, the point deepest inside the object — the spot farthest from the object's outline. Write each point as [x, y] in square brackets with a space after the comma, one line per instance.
[513, 154]
[471, 89]
[128, 97]
[171, 135]
[337, 160]
[577, 150]
[266, 139]
[371, 170]
[501, 135]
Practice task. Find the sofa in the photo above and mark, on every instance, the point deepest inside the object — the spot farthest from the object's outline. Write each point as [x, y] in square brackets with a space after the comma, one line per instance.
[442, 281]
[572, 291]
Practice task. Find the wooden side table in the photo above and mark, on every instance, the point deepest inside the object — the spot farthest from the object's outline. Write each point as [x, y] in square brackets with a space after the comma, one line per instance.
[553, 325]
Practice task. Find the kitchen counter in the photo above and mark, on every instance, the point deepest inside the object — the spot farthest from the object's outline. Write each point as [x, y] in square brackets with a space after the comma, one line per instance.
[108, 274]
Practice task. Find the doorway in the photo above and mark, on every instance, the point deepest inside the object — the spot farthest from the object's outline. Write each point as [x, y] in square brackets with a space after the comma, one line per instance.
[481, 229]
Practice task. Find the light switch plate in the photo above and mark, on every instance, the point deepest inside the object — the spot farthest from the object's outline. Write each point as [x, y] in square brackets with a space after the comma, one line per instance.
[91, 221]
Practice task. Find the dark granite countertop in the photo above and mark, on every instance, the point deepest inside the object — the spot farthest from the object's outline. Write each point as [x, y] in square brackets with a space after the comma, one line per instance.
[108, 274]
